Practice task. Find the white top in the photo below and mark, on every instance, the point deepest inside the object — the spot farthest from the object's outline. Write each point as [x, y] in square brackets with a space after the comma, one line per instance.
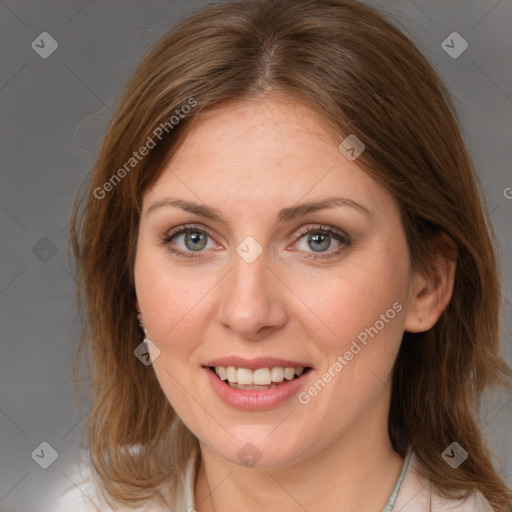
[412, 493]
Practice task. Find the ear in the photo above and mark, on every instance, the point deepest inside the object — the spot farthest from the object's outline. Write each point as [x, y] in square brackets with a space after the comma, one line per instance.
[432, 289]
[139, 315]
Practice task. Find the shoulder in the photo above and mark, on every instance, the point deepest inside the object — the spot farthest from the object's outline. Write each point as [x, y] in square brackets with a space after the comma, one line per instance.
[80, 492]
[417, 494]
[474, 503]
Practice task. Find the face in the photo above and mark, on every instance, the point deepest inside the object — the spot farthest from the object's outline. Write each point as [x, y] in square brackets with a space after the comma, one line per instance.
[257, 281]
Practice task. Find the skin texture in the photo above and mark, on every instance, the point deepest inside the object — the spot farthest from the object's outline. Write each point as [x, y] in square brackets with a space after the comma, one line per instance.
[249, 160]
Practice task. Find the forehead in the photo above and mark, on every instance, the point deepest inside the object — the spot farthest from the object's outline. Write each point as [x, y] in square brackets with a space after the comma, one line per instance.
[260, 152]
[258, 130]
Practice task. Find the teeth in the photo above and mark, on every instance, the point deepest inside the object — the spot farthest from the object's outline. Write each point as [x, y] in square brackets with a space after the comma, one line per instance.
[254, 387]
[289, 373]
[261, 376]
[244, 378]
[231, 374]
[277, 374]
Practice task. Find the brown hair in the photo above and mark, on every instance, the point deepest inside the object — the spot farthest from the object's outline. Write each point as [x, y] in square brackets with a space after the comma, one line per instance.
[365, 78]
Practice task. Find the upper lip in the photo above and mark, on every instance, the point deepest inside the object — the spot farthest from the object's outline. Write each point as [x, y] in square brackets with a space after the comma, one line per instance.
[254, 364]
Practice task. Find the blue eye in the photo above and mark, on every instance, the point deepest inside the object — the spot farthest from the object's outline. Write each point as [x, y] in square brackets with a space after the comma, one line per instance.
[319, 240]
[195, 240]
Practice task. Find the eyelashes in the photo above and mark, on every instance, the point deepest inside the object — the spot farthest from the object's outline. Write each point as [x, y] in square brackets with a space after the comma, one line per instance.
[325, 231]
[321, 234]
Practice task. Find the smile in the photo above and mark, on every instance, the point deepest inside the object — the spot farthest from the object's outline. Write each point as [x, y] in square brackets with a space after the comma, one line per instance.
[257, 384]
[258, 379]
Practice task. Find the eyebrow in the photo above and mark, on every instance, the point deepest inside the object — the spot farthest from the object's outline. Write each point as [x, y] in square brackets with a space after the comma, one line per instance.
[286, 214]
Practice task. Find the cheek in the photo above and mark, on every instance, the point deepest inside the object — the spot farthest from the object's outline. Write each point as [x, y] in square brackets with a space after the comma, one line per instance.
[170, 301]
[169, 297]
[364, 311]
[348, 303]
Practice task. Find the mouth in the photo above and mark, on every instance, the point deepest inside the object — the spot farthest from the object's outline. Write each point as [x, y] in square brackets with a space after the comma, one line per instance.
[258, 379]
[256, 384]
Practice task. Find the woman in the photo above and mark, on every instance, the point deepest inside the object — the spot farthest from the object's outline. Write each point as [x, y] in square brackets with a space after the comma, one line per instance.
[283, 204]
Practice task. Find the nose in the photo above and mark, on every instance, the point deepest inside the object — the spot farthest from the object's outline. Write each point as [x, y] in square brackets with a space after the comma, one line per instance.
[252, 301]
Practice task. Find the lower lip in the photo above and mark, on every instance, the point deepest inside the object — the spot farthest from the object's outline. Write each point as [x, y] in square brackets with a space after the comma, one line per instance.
[255, 400]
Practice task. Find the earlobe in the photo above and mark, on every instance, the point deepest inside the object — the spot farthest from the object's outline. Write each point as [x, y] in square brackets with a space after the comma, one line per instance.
[139, 314]
[432, 290]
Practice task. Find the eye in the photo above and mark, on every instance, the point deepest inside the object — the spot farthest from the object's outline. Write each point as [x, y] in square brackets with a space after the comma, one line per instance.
[321, 238]
[193, 240]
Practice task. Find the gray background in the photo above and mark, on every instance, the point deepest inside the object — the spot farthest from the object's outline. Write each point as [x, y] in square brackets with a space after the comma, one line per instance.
[53, 114]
